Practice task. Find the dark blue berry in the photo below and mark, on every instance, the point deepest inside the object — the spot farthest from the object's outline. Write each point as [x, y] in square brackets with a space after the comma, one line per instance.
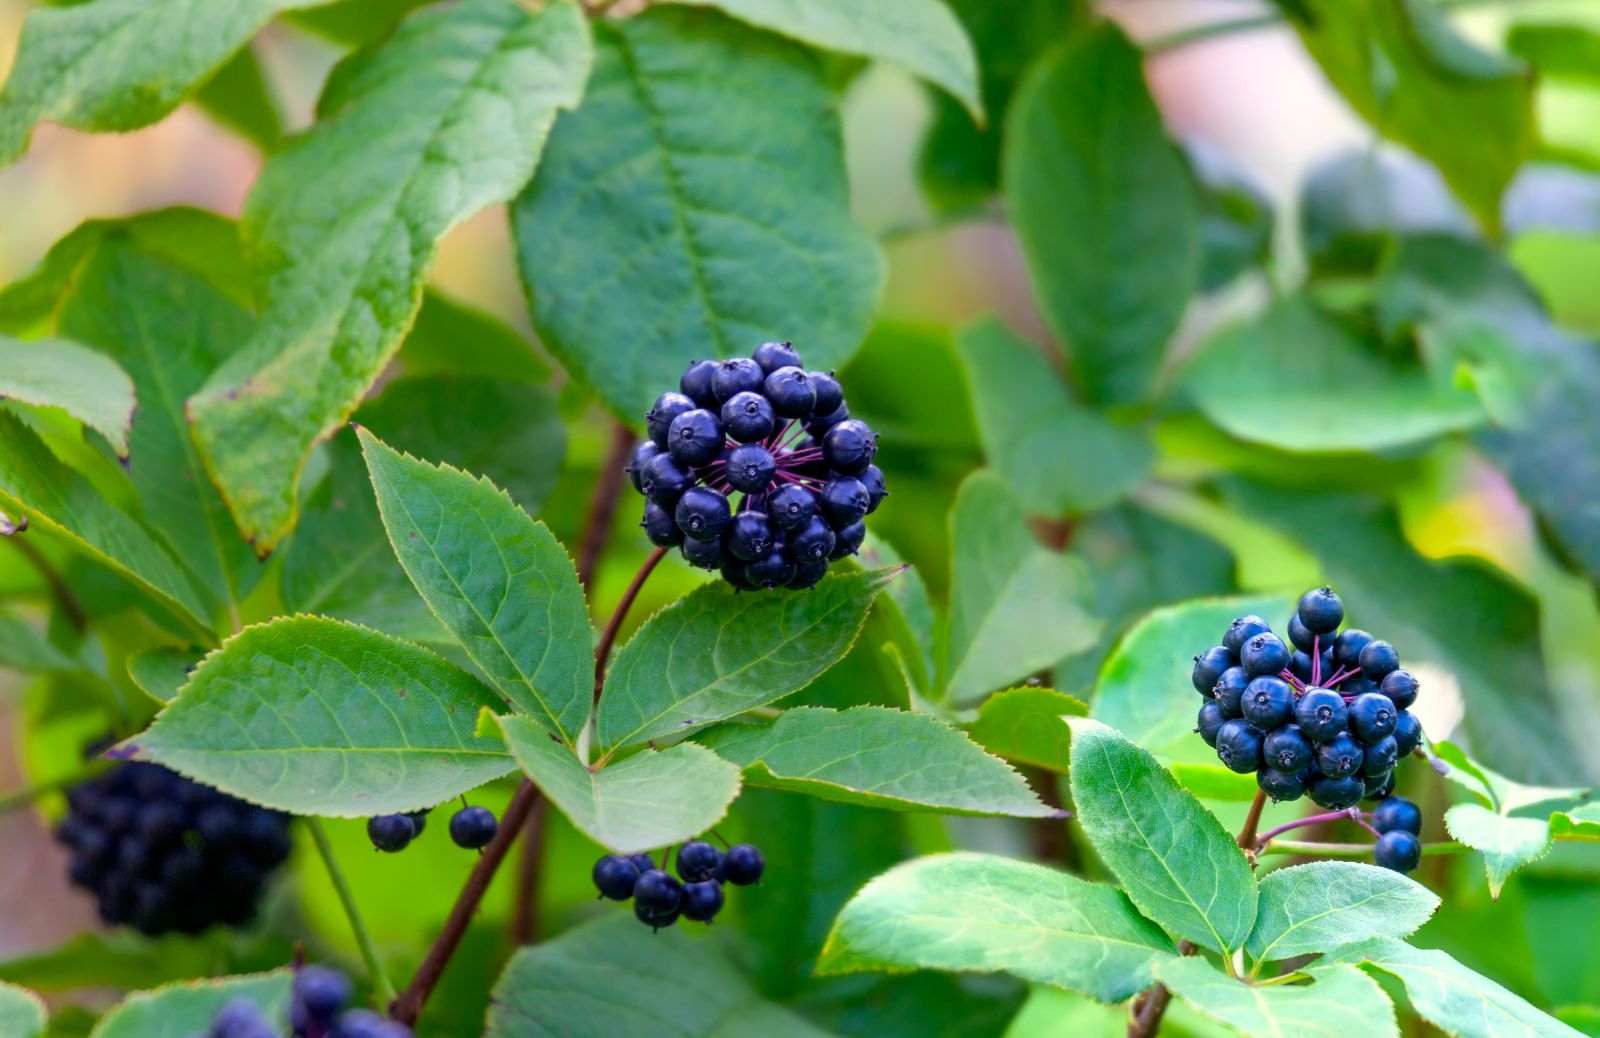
[1208, 667]
[1228, 691]
[390, 833]
[664, 480]
[1267, 702]
[872, 479]
[1281, 785]
[830, 395]
[1401, 688]
[1300, 667]
[322, 991]
[241, 1019]
[1379, 757]
[848, 540]
[1320, 714]
[733, 571]
[1286, 749]
[1242, 630]
[749, 536]
[703, 554]
[791, 506]
[161, 822]
[735, 376]
[1357, 686]
[1398, 850]
[806, 575]
[773, 571]
[812, 544]
[642, 861]
[849, 446]
[1299, 634]
[844, 500]
[419, 820]
[1239, 746]
[656, 918]
[743, 865]
[1376, 787]
[1321, 610]
[471, 828]
[1407, 733]
[661, 526]
[1397, 813]
[614, 876]
[774, 355]
[1348, 645]
[791, 392]
[698, 861]
[1264, 654]
[696, 383]
[702, 901]
[696, 438]
[820, 422]
[658, 889]
[1209, 722]
[364, 1023]
[1339, 757]
[658, 420]
[748, 417]
[1372, 717]
[1336, 794]
[750, 469]
[1378, 659]
[702, 513]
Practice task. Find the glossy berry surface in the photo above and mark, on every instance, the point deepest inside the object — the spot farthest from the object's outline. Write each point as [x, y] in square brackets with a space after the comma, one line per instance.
[1239, 746]
[1209, 722]
[323, 992]
[702, 900]
[1320, 610]
[1267, 702]
[1340, 756]
[391, 833]
[1281, 785]
[1321, 714]
[1242, 630]
[614, 877]
[1208, 667]
[698, 861]
[743, 864]
[1372, 717]
[1378, 659]
[1394, 813]
[1336, 794]
[471, 828]
[1264, 654]
[1399, 850]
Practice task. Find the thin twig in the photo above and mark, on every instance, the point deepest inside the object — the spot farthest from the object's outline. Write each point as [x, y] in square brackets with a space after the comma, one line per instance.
[525, 916]
[603, 504]
[369, 954]
[1247, 835]
[1351, 850]
[602, 649]
[1300, 823]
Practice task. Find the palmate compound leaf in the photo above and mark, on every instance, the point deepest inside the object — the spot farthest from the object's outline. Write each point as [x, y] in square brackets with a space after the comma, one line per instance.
[649, 800]
[186, 1009]
[83, 382]
[317, 716]
[22, 1014]
[1173, 857]
[1325, 904]
[1340, 1002]
[878, 757]
[715, 653]
[983, 913]
[498, 580]
[447, 116]
[1453, 998]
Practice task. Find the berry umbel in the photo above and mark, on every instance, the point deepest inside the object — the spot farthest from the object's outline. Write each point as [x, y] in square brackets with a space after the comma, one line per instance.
[696, 893]
[316, 1010]
[1320, 712]
[755, 468]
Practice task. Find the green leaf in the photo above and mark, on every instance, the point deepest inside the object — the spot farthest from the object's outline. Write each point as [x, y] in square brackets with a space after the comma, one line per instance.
[22, 1014]
[1174, 859]
[1340, 1001]
[399, 155]
[24, 649]
[1506, 843]
[1236, 218]
[1028, 725]
[652, 799]
[1036, 923]
[700, 144]
[81, 381]
[239, 99]
[186, 1009]
[170, 329]
[1404, 69]
[162, 672]
[922, 36]
[879, 757]
[1452, 997]
[1105, 211]
[317, 716]
[1578, 824]
[1565, 51]
[117, 65]
[433, 346]
[715, 653]
[614, 977]
[500, 582]
[1025, 415]
[1325, 904]
[1268, 381]
[115, 959]
[907, 614]
[60, 502]
[354, 23]
[1015, 606]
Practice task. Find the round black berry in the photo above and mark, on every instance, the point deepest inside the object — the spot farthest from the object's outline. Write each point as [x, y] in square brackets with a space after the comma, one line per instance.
[820, 422]
[471, 828]
[791, 392]
[733, 572]
[806, 574]
[1286, 749]
[1239, 746]
[872, 479]
[1208, 667]
[791, 506]
[773, 571]
[1321, 611]
[696, 384]
[702, 513]
[1372, 717]
[844, 500]
[696, 438]
[1320, 714]
[656, 918]
[704, 554]
[1209, 722]
[241, 1019]
[1397, 813]
[735, 376]
[830, 395]
[1336, 794]
[1267, 702]
[1264, 654]
[391, 833]
[364, 1023]
[749, 417]
[1281, 785]
[743, 865]
[642, 861]
[698, 861]
[1300, 635]
[772, 356]
[848, 540]
[419, 820]
[658, 420]
[1398, 850]
[1376, 787]
[749, 536]
[664, 480]
[1407, 733]
[661, 526]
[1348, 645]
[658, 890]
[614, 876]
[1401, 688]
[702, 901]
[1340, 756]
[812, 544]
[751, 467]
[1379, 757]
[322, 992]
[1228, 692]
[849, 446]
[1378, 659]
[1242, 630]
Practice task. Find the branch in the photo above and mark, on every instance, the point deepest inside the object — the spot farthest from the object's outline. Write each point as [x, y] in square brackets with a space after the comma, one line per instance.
[1352, 850]
[602, 650]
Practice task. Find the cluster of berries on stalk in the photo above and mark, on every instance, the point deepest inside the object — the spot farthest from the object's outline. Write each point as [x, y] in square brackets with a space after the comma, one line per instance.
[781, 438]
[316, 1010]
[1325, 715]
[659, 898]
[162, 853]
[471, 829]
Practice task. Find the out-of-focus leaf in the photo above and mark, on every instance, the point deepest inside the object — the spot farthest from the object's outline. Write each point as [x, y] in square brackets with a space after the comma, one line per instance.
[399, 155]
[1553, 198]
[878, 757]
[1173, 857]
[1405, 69]
[1564, 51]
[1104, 209]
[1319, 906]
[1060, 457]
[922, 36]
[185, 1009]
[1015, 606]
[121, 959]
[1340, 1000]
[316, 716]
[1027, 725]
[930, 415]
[1037, 923]
[1352, 202]
[434, 345]
[700, 144]
[22, 1013]
[906, 614]
[237, 96]
[24, 649]
[162, 671]
[354, 23]
[1235, 216]
[83, 382]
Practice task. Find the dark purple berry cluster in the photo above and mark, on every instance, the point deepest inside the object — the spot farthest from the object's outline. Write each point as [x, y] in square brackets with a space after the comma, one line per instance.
[756, 468]
[659, 898]
[471, 828]
[1324, 715]
[161, 853]
[316, 1010]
